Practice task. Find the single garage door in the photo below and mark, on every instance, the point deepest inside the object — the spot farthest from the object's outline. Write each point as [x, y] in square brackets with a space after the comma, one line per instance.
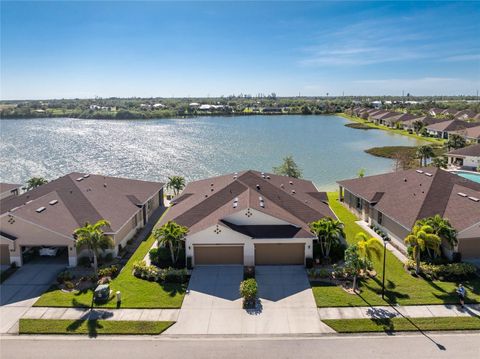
[279, 253]
[218, 255]
[4, 254]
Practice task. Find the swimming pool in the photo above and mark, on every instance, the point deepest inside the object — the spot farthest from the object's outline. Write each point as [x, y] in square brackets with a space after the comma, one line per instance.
[475, 177]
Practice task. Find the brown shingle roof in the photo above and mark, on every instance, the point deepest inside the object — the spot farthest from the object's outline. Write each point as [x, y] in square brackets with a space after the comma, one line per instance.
[92, 198]
[473, 150]
[291, 200]
[410, 195]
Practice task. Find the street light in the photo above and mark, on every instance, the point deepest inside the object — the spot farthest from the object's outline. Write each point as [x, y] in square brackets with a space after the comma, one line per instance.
[385, 240]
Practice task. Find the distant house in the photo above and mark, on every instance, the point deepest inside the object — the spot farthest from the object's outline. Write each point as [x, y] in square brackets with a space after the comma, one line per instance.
[272, 110]
[465, 157]
[425, 120]
[465, 115]
[442, 129]
[398, 120]
[395, 201]
[376, 104]
[193, 105]
[159, 105]
[435, 111]
[450, 112]
[471, 134]
[48, 215]
[9, 189]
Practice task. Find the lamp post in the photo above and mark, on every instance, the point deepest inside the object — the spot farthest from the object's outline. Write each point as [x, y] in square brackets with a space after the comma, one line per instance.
[385, 240]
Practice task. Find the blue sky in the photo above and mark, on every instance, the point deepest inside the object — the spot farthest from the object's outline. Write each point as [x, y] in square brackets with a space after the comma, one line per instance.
[84, 49]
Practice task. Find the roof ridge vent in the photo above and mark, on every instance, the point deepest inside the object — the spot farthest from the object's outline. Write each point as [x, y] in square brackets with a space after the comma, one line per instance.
[475, 199]
[419, 171]
[80, 179]
[462, 194]
[86, 176]
[40, 209]
[51, 203]
[428, 174]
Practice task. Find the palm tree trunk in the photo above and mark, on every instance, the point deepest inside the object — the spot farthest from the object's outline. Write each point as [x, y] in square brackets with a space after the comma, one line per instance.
[172, 253]
[417, 262]
[95, 263]
[354, 282]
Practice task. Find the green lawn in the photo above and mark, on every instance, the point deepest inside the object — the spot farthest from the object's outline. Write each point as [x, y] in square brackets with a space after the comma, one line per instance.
[91, 327]
[403, 324]
[385, 128]
[136, 293]
[401, 287]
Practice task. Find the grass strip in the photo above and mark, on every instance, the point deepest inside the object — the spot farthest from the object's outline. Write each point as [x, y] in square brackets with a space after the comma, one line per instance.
[403, 324]
[92, 327]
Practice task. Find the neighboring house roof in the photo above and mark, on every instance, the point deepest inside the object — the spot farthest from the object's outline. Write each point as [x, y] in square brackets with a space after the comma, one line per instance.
[426, 120]
[465, 114]
[7, 187]
[471, 132]
[450, 125]
[449, 111]
[208, 202]
[473, 150]
[407, 196]
[81, 198]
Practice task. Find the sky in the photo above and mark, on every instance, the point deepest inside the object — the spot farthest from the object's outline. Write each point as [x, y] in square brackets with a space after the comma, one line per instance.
[70, 49]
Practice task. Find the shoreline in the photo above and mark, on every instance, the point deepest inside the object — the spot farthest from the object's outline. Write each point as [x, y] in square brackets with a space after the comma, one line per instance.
[392, 130]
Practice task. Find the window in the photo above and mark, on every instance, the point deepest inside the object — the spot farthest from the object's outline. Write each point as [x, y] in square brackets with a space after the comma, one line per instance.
[359, 203]
[380, 218]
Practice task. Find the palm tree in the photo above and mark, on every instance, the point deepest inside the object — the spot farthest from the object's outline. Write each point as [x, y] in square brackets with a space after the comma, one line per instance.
[288, 168]
[34, 182]
[442, 228]
[171, 234]
[417, 126]
[421, 238]
[93, 237]
[368, 247]
[455, 141]
[177, 183]
[329, 232]
[425, 152]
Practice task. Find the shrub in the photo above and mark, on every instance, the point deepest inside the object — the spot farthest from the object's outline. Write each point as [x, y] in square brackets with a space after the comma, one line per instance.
[161, 258]
[189, 262]
[153, 273]
[110, 271]
[248, 272]
[456, 257]
[318, 273]
[84, 262]
[248, 291]
[450, 271]
[107, 257]
[309, 262]
[69, 285]
[64, 276]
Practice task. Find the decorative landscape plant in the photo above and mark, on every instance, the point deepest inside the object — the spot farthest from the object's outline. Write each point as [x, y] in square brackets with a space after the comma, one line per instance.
[249, 291]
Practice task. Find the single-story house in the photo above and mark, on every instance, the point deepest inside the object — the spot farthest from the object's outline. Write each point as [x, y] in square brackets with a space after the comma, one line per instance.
[425, 120]
[465, 157]
[395, 201]
[465, 114]
[399, 119]
[9, 189]
[442, 129]
[249, 218]
[471, 134]
[436, 111]
[48, 215]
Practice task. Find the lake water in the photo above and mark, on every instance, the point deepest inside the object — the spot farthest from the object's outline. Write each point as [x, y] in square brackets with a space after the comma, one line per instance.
[324, 148]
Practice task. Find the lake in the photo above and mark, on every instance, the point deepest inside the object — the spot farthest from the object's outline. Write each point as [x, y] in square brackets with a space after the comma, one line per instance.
[199, 147]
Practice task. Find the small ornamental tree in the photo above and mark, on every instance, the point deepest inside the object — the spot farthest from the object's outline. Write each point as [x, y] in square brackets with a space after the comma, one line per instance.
[353, 263]
[172, 235]
[329, 232]
[249, 291]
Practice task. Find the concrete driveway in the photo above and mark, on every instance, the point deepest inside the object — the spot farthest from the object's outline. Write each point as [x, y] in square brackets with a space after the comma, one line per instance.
[22, 289]
[213, 305]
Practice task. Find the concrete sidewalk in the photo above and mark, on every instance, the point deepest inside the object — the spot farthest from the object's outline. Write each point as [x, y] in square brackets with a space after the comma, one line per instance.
[106, 314]
[413, 311]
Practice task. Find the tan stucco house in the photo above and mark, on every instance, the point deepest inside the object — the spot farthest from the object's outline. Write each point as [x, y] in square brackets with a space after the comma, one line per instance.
[48, 215]
[395, 201]
[249, 218]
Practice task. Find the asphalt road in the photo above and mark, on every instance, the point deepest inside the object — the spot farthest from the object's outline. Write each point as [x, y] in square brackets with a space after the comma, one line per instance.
[460, 345]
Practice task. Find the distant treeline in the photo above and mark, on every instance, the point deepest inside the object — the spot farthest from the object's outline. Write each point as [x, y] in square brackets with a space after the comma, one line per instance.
[146, 108]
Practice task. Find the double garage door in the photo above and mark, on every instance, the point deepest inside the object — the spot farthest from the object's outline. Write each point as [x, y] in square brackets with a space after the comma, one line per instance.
[265, 254]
